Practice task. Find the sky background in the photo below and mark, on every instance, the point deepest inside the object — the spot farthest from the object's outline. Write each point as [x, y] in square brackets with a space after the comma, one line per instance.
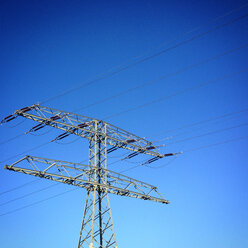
[50, 47]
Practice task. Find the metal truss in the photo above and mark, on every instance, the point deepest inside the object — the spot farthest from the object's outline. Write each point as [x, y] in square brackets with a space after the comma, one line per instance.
[83, 126]
[97, 228]
[81, 175]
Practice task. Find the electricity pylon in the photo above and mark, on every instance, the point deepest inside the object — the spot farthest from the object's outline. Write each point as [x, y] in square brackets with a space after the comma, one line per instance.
[97, 226]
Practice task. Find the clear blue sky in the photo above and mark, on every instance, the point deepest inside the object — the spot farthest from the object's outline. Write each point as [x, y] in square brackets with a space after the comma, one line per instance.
[48, 47]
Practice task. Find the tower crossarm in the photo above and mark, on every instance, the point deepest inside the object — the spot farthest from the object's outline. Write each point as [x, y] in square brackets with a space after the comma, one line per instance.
[83, 126]
[83, 176]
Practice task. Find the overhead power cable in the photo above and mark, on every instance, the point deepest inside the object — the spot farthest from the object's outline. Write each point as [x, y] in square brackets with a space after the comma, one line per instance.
[193, 30]
[144, 84]
[26, 195]
[162, 166]
[216, 144]
[190, 131]
[146, 104]
[191, 150]
[25, 152]
[14, 125]
[200, 122]
[195, 149]
[150, 82]
[180, 134]
[177, 93]
[206, 134]
[67, 143]
[209, 133]
[149, 103]
[19, 187]
[37, 202]
[8, 140]
[159, 99]
[186, 41]
[198, 148]
[198, 136]
[103, 76]
[22, 134]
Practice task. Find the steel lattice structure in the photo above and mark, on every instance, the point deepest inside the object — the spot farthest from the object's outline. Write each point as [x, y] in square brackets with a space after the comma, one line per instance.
[97, 226]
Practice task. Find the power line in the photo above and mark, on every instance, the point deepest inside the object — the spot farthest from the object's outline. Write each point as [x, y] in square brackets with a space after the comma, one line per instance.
[193, 137]
[184, 33]
[22, 134]
[8, 140]
[120, 160]
[146, 104]
[32, 193]
[37, 202]
[215, 144]
[239, 18]
[191, 150]
[29, 150]
[209, 133]
[141, 106]
[142, 85]
[202, 122]
[101, 77]
[202, 147]
[149, 103]
[194, 29]
[67, 143]
[14, 125]
[195, 149]
[203, 128]
[177, 93]
[150, 82]
[18, 187]
[43, 144]
[162, 166]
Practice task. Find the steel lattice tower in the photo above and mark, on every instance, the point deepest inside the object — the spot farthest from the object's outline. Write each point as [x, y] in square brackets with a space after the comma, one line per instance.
[97, 228]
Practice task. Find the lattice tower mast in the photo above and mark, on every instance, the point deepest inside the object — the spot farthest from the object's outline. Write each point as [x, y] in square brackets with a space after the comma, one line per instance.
[97, 228]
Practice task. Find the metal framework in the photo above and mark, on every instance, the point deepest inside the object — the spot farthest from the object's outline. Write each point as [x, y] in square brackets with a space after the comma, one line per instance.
[97, 226]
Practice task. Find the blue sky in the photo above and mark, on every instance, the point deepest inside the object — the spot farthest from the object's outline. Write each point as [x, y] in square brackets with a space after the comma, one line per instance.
[50, 47]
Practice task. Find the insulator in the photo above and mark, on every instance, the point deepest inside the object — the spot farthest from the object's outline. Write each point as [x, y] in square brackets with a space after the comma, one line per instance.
[137, 153]
[55, 117]
[150, 148]
[82, 125]
[121, 145]
[168, 154]
[23, 110]
[132, 155]
[112, 149]
[151, 160]
[145, 198]
[36, 128]
[62, 136]
[8, 118]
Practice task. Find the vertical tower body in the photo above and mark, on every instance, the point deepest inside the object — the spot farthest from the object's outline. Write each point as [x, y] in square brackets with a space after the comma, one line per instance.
[97, 227]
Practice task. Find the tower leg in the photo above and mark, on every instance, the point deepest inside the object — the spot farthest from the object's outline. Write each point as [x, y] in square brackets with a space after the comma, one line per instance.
[92, 235]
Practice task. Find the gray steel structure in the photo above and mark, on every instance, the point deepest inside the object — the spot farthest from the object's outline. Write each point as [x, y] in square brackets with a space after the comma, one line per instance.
[97, 226]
